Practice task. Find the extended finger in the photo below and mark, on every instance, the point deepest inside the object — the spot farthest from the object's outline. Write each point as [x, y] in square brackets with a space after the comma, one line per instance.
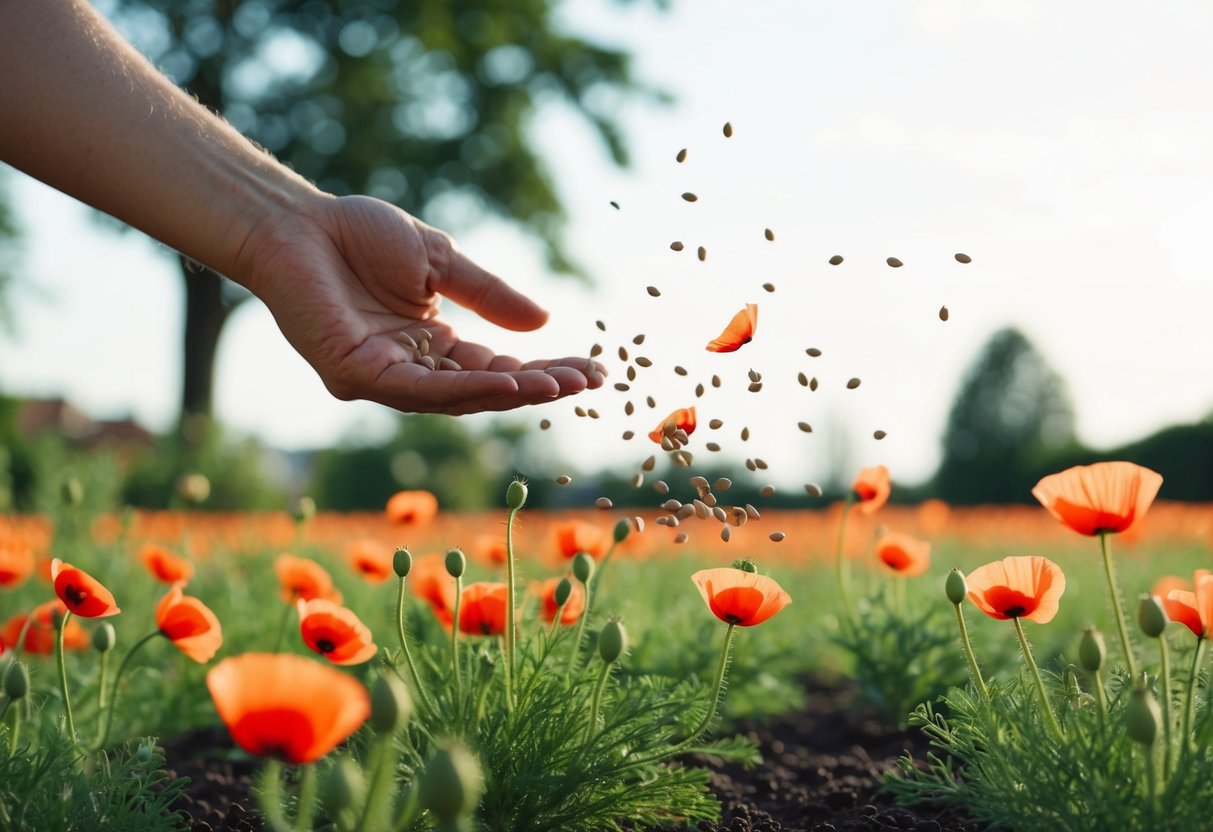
[486, 294]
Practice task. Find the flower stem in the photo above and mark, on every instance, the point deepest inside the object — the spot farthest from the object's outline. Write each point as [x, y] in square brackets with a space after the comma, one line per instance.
[67, 702]
[509, 610]
[575, 652]
[271, 796]
[404, 647]
[597, 701]
[14, 726]
[1101, 698]
[1054, 726]
[841, 563]
[375, 810]
[974, 670]
[455, 641]
[102, 674]
[113, 698]
[306, 804]
[1190, 710]
[1165, 684]
[286, 620]
[1130, 661]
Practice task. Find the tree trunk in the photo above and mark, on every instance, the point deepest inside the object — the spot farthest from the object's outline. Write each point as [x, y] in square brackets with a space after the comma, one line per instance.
[206, 311]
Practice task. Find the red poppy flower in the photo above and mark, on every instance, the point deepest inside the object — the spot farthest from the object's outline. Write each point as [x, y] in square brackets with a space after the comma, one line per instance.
[189, 624]
[164, 565]
[40, 637]
[335, 632]
[573, 536]
[1018, 587]
[738, 597]
[372, 560]
[412, 508]
[681, 419]
[285, 706]
[81, 592]
[1099, 498]
[303, 579]
[871, 488]
[739, 331]
[903, 554]
[429, 580]
[16, 562]
[482, 609]
[546, 591]
[1194, 610]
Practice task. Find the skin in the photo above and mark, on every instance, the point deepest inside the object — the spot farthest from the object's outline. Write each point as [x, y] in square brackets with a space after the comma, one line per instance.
[84, 112]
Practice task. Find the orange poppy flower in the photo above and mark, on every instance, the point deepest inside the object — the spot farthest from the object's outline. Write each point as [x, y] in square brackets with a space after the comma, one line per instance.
[287, 707]
[681, 419]
[903, 554]
[16, 562]
[165, 566]
[81, 592]
[738, 597]
[40, 637]
[871, 488]
[546, 591]
[429, 580]
[1194, 610]
[739, 331]
[482, 609]
[1099, 498]
[1169, 582]
[372, 560]
[335, 632]
[573, 536]
[300, 578]
[1018, 587]
[412, 508]
[189, 624]
[490, 548]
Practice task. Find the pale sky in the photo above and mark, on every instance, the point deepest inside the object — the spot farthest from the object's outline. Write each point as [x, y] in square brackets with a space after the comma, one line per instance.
[1065, 147]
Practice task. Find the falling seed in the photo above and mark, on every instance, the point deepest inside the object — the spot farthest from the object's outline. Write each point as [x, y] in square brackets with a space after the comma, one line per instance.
[676, 246]
[813, 352]
[406, 339]
[698, 482]
[683, 459]
[544, 424]
[580, 411]
[621, 387]
[623, 354]
[805, 426]
[713, 446]
[894, 263]
[745, 434]
[648, 464]
[638, 339]
[767, 490]
[769, 234]
[690, 197]
[641, 361]
[680, 370]
[813, 383]
[963, 258]
[671, 505]
[770, 287]
[629, 408]
[627, 434]
[615, 205]
[698, 390]
[563, 479]
[445, 363]
[749, 463]
[737, 516]
[702, 510]
[813, 490]
[663, 520]
[728, 130]
[716, 424]
[638, 522]
[755, 386]
[661, 487]
[686, 512]
[666, 444]
[427, 362]
[709, 500]
[725, 534]
[682, 156]
[600, 325]
[595, 350]
[603, 503]
[719, 514]
[777, 537]
[680, 436]
[637, 480]
[681, 537]
[424, 346]
[754, 375]
[723, 484]
[715, 381]
[803, 379]
[703, 254]
[650, 401]
[852, 384]
[631, 373]
[836, 259]
[752, 512]
[762, 466]
[880, 434]
[943, 313]
[592, 413]
[653, 291]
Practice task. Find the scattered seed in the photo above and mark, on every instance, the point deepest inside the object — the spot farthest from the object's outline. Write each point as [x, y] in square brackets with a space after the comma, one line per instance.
[754, 375]
[752, 512]
[713, 446]
[638, 522]
[803, 379]
[725, 534]
[544, 424]
[641, 361]
[805, 426]
[852, 384]
[600, 325]
[637, 480]
[424, 346]
[631, 373]
[880, 434]
[716, 424]
[703, 254]
[698, 390]
[680, 370]
[563, 479]
[648, 464]
[963, 258]
[627, 434]
[665, 520]
[745, 434]
[755, 386]
[749, 463]
[445, 363]
[638, 339]
[762, 466]
[728, 130]
[595, 350]
[813, 383]
[676, 246]
[666, 444]
[715, 381]
[723, 484]
[894, 263]
[427, 362]
[681, 537]
[661, 487]
[737, 516]
[769, 234]
[767, 490]
[671, 505]
[813, 352]
[603, 503]
[629, 408]
[709, 500]
[770, 287]
[592, 413]
[682, 156]
[615, 205]
[653, 291]
[777, 537]
[621, 387]
[579, 410]
[702, 510]
[719, 514]
[943, 313]
[690, 197]
[682, 459]
[623, 354]
[698, 482]
[685, 512]
[650, 401]
[406, 339]
[680, 436]
[836, 260]
[812, 489]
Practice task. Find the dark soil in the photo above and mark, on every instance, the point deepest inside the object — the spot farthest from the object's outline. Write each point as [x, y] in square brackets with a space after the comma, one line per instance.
[823, 770]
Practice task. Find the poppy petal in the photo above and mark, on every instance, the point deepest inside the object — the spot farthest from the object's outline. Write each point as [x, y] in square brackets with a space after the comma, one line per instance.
[739, 332]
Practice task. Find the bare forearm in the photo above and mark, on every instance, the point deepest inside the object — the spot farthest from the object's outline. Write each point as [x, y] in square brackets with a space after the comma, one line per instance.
[83, 111]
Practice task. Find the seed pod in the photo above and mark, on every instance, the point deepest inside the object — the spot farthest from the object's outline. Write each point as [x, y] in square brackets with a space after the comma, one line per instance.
[402, 562]
[1143, 717]
[963, 258]
[767, 491]
[894, 263]
[703, 254]
[943, 313]
[1092, 650]
[716, 424]
[641, 361]
[812, 489]
[627, 434]
[563, 590]
[690, 197]
[621, 531]
[661, 487]
[612, 641]
[728, 130]
[770, 287]
[677, 246]
[769, 234]
[456, 563]
[852, 384]
[955, 587]
[836, 260]
[563, 479]
[682, 156]
[1151, 616]
[583, 567]
[343, 787]
[391, 705]
[515, 494]
[603, 503]
[451, 783]
[776, 537]
[805, 426]
[813, 384]
[653, 291]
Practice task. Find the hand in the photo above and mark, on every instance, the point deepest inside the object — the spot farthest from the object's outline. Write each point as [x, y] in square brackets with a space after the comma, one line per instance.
[345, 282]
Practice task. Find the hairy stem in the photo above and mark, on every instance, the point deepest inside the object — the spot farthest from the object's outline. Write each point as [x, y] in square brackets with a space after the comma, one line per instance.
[404, 648]
[1193, 681]
[1165, 684]
[509, 610]
[271, 797]
[375, 810]
[67, 702]
[455, 641]
[974, 670]
[597, 701]
[1101, 698]
[286, 620]
[575, 652]
[113, 698]
[306, 805]
[1050, 717]
[1130, 661]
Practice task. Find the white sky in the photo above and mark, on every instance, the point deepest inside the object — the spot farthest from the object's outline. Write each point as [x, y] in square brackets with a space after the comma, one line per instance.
[1065, 147]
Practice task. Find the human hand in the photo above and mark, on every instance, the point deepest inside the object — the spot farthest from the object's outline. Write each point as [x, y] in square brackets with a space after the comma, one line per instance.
[348, 277]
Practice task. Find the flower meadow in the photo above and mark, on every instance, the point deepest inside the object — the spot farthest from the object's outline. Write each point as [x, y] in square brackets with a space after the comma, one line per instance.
[531, 670]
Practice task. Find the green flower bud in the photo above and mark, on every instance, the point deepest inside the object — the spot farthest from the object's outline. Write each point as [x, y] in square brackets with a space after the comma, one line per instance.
[1151, 616]
[583, 566]
[303, 509]
[73, 491]
[1143, 717]
[104, 637]
[1092, 650]
[622, 529]
[451, 783]
[612, 641]
[402, 562]
[746, 565]
[456, 563]
[16, 681]
[563, 590]
[515, 495]
[391, 705]
[343, 788]
[955, 587]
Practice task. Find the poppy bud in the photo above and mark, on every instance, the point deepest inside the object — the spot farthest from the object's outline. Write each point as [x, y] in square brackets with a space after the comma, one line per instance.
[16, 681]
[1143, 717]
[456, 563]
[451, 783]
[583, 567]
[1092, 650]
[73, 492]
[391, 705]
[955, 587]
[1151, 616]
[622, 529]
[515, 495]
[612, 641]
[746, 565]
[303, 509]
[144, 754]
[104, 637]
[563, 590]
[343, 788]
[402, 562]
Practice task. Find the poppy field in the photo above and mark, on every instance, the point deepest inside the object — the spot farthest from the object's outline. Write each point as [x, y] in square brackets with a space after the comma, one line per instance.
[376, 673]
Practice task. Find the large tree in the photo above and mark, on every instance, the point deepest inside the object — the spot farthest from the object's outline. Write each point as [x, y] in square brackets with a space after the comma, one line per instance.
[416, 102]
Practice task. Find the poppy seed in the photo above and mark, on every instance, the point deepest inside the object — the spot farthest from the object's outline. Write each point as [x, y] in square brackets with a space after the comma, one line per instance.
[852, 384]
[676, 246]
[690, 197]
[894, 263]
[769, 234]
[963, 258]
[653, 291]
[836, 260]
[682, 156]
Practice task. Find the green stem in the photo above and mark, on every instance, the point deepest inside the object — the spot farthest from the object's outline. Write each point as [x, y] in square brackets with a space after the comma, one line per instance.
[974, 670]
[1051, 717]
[286, 620]
[575, 652]
[1101, 698]
[404, 647]
[102, 674]
[841, 563]
[1131, 662]
[67, 702]
[597, 701]
[271, 796]
[408, 809]
[1193, 681]
[14, 729]
[113, 699]
[307, 799]
[509, 610]
[375, 810]
[455, 641]
[1165, 684]
[1148, 756]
